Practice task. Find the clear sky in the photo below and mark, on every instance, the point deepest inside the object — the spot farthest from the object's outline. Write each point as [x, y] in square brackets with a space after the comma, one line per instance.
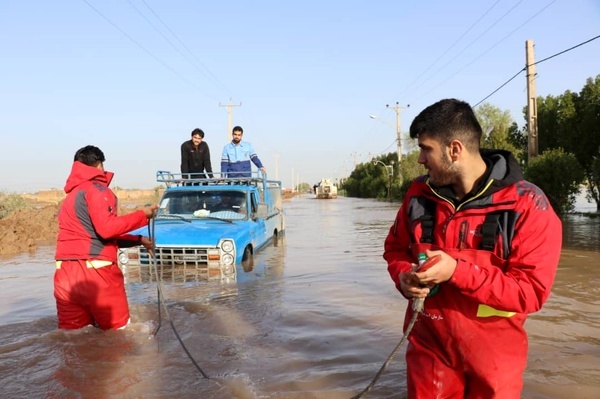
[135, 77]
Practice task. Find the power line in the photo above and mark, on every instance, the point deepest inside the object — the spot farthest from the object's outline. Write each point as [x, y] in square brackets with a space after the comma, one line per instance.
[488, 50]
[165, 37]
[186, 48]
[504, 84]
[538, 62]
[148, 51]
[569, 49]
[453, 44]
[464, 49]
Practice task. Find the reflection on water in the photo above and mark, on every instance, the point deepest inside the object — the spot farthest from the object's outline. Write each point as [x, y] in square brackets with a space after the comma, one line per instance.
[581, 232]
[315, 318]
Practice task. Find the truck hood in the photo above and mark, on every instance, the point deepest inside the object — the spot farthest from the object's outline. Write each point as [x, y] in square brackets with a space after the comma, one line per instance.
[196, 233]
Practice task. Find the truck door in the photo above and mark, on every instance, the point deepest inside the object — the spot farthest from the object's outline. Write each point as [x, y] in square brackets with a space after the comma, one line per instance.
[259, 231]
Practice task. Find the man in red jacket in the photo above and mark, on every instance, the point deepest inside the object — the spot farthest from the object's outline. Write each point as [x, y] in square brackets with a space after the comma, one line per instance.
[498, 242]
[88, 284]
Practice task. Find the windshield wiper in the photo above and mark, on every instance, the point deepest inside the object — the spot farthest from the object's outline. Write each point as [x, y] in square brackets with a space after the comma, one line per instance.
[213, 218]
[174, 216]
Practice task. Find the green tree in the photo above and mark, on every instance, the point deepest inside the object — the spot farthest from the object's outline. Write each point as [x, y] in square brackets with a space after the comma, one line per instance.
[587, 143]
[497, 126]
[559, 175]
[302, 187]
[372, 180]
[518, 138]
[593, 179]
[572, 121]
[411, 169]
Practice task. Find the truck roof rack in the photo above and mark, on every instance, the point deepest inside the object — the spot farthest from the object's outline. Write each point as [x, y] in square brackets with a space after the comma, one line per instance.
[219, 178]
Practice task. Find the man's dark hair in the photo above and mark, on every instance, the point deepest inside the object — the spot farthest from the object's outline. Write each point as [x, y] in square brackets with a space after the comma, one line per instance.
[89, 155]
[448, 120]
[238, 129]
[198, 132]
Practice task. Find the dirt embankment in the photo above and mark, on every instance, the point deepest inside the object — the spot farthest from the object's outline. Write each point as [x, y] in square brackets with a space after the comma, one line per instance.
[24, 229]
[27, 228]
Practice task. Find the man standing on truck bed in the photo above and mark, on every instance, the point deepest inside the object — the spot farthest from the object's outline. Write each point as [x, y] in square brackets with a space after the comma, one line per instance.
[195, 156]
[236, 157]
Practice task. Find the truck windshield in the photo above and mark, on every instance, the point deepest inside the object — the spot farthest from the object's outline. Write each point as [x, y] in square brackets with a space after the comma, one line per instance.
[198, 204]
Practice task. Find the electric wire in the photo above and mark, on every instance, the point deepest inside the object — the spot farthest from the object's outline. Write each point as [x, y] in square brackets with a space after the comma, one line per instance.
[463, 50]
[535, 63]
[186, 48]
[452, 46]
[488, 50]
[186, 57]
[164, 64]
[567, 50]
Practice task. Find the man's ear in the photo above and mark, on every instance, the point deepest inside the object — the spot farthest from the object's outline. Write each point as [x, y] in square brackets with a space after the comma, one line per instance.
[456, 149]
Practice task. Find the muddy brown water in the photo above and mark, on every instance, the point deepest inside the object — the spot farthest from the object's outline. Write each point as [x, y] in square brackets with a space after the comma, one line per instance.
[315, 318]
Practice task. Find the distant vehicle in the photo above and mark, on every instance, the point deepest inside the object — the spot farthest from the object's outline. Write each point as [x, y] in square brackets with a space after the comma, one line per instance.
[211, 225]
[326, 189]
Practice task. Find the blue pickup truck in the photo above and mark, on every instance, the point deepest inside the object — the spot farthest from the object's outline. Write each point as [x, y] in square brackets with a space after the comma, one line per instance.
[208, 226]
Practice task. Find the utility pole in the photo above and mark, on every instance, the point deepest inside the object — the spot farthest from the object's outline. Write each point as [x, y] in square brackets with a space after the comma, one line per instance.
[230, 117]
[292, 180]
[276, 166]
[397, 108]
[532, 129]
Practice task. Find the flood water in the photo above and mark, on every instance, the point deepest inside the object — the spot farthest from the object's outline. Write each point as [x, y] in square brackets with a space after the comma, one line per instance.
[315, 318]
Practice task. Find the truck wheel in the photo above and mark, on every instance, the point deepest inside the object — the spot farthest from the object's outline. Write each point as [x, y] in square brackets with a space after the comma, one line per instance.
[248, 260]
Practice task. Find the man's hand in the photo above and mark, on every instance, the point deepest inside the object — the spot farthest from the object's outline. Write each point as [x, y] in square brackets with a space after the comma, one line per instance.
[411, 286]
[439, 272]
[148, 244]
[150, 211]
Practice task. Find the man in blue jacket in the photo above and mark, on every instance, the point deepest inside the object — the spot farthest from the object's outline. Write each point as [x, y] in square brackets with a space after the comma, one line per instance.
[236, 157]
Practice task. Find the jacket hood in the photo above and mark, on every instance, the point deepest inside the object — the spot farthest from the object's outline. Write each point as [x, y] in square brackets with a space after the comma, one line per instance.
[505, 168]
[81, 173]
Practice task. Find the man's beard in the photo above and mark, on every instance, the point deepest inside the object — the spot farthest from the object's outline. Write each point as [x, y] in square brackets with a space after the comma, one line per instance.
[447, 174]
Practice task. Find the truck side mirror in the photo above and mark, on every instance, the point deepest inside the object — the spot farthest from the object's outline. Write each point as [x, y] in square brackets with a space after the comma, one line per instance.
[262, 210]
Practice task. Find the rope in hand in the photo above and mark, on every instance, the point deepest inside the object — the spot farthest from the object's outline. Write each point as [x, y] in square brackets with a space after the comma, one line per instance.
[161, 302]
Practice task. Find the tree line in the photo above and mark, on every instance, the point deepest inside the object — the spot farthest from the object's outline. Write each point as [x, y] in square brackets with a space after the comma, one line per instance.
[568, 144]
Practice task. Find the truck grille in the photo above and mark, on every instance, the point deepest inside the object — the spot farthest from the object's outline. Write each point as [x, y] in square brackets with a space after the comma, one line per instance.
[173, 265]
[175, 256]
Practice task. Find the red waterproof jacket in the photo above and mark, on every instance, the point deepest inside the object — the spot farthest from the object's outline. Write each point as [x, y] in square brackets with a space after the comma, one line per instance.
[89, 227]
[475, 321]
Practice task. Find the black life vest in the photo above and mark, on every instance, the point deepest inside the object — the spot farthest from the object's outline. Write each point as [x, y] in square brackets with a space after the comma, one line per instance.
[496, 224]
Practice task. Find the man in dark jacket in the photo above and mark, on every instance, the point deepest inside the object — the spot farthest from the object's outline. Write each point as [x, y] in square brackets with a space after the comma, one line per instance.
[195, 157]
[498, 242]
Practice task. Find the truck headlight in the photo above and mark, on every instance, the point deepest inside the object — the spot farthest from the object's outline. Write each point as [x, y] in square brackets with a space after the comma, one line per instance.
[123, 258]
[227, 245]
[227, 259]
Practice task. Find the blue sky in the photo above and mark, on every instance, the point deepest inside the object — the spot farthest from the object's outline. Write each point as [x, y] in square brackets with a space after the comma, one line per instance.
[136, 80]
